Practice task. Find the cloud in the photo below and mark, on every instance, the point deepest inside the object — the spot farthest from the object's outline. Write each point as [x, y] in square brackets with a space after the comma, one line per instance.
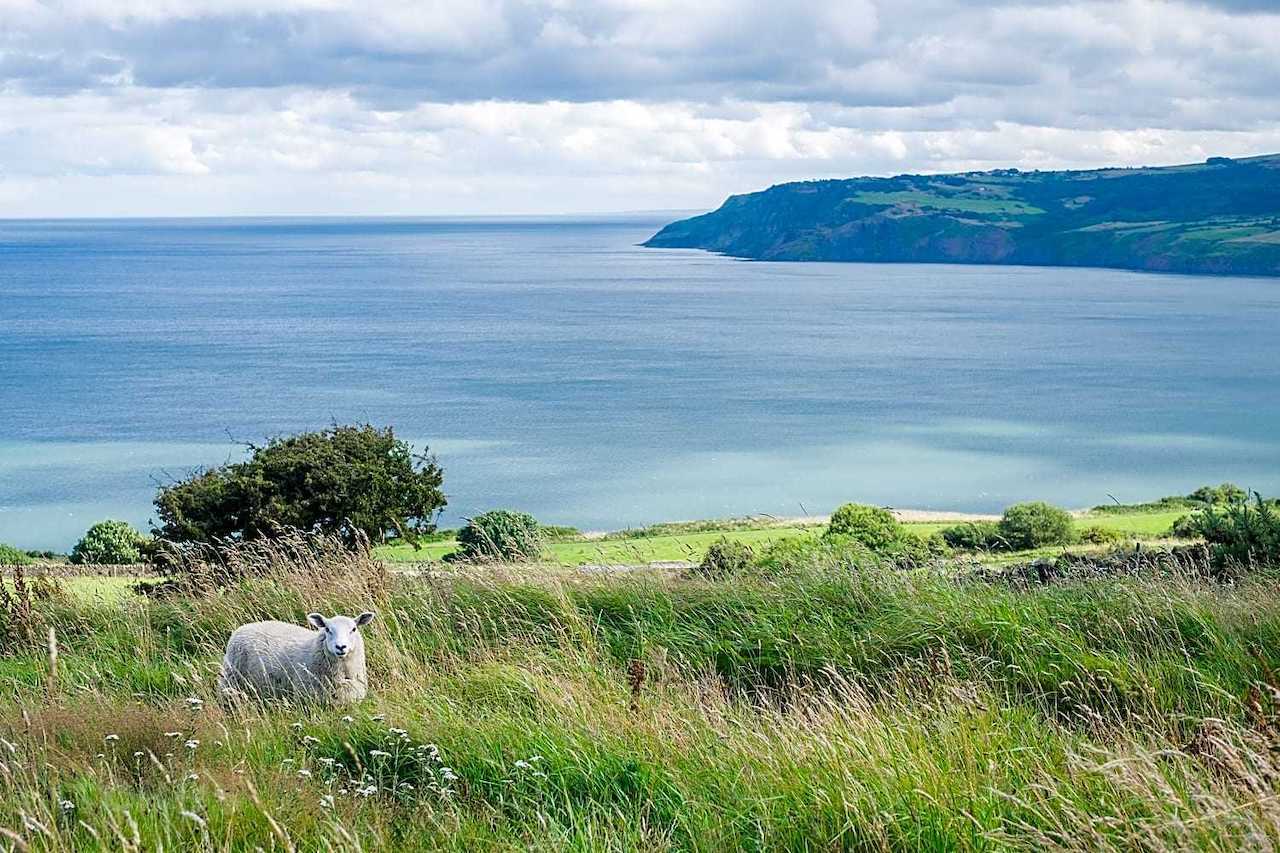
[226, 106]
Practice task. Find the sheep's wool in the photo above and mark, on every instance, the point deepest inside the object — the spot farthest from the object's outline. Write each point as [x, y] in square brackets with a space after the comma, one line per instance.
[277, 660]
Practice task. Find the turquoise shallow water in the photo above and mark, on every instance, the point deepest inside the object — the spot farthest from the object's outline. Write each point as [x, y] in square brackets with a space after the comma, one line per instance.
[555, 366]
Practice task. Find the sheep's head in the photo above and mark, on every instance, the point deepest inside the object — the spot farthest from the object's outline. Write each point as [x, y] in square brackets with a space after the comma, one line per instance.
[341, 633]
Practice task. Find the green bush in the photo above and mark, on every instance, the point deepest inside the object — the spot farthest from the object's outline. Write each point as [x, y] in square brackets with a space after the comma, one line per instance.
[1098, 535]
[500, 534]
[1035, 524]
[1185, 527]
[725, 558]
[974, 536]
[560, 531]
[1241, 533]
[1227, 493]
[112, 542]
[873, 526]
[11, 556]
[349, 481]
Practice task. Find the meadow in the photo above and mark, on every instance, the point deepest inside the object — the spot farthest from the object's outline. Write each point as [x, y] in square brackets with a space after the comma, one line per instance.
[838, 705]
[686, 542]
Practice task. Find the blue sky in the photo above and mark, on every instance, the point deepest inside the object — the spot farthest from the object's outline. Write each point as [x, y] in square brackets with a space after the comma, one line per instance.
[223, 107]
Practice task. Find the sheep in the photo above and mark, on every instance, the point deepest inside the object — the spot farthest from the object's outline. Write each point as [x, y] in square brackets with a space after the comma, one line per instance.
[278, 660]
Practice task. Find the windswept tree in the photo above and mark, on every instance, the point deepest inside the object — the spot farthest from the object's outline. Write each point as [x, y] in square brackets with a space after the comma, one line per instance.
[345, 480]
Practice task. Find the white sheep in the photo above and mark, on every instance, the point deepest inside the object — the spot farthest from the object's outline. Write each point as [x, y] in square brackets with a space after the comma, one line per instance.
[277, 660]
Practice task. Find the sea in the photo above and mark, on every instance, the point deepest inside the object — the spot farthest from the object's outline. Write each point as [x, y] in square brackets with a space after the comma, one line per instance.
[554, 365]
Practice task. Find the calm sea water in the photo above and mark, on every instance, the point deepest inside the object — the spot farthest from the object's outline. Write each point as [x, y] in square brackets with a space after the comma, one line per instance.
[556, 367]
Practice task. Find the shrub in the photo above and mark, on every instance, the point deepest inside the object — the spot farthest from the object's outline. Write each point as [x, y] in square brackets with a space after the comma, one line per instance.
[873, 526]
[725, 558]
[1035, 524]
[974, 536]
[559, 531]
[114, 542]
[500, 534]
[1241, 533]
[1227, 493]
[1098, 535]
[11, 556]
[357, 482]
[1185, 527]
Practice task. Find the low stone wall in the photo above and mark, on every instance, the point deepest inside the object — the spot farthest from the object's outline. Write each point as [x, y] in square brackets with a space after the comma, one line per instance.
[82, 570]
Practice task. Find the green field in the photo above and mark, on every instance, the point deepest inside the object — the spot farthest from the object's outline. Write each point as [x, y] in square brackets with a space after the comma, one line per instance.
[837, 706]
[690, 547]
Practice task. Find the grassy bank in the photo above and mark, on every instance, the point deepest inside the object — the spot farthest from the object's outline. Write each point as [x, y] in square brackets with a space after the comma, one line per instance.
[835, 707]
[689, 541]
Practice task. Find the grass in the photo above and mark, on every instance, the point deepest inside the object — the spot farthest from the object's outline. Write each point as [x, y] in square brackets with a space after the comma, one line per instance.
[839, 707]
[946, 202]
[689, 540]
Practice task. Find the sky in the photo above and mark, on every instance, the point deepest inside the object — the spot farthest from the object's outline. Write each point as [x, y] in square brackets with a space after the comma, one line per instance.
[440, 107]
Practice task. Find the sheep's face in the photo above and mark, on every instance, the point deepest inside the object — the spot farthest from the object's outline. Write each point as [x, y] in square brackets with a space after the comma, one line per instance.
[341, 633]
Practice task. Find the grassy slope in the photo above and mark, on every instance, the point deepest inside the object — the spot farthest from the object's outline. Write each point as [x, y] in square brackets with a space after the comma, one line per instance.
[691, 546]
[1208, 218]
[828, 710]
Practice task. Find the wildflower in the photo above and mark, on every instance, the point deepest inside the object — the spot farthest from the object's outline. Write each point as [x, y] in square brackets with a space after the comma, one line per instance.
[327, 801]
[304, 773]
[192, 744]
[347, 718]
[192, 777]
[309, 739]
[296, 725]
[173, 734]
[110, 738]
[523, 765]
[368, 791]
[327, 762]
[138, 754]
[195, 703]
[377, 753]
[447, 774]
[66, 805]
[398, 732]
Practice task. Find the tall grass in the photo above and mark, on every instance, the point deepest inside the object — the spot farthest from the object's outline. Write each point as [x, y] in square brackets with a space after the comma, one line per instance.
[833, 707]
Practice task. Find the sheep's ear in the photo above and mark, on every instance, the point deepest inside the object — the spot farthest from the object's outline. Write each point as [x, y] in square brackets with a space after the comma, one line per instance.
[316, 620]
[364, 619]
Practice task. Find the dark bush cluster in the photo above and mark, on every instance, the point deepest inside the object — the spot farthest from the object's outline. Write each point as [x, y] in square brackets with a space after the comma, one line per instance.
[11, 556]
[1022, 527]
[500, 535]
[874, 530]
[974, 536]
[1238, 533]
[725, 558]
[357, 482]
[1035, 524]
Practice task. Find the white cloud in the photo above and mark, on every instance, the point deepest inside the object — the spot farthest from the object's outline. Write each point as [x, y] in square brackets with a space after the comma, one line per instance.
[319, 106]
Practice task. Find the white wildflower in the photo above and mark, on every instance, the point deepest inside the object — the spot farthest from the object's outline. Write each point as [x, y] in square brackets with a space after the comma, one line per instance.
[327, 801]
[368, 791]
[66, 805]
[111, 738]
[192, 744]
